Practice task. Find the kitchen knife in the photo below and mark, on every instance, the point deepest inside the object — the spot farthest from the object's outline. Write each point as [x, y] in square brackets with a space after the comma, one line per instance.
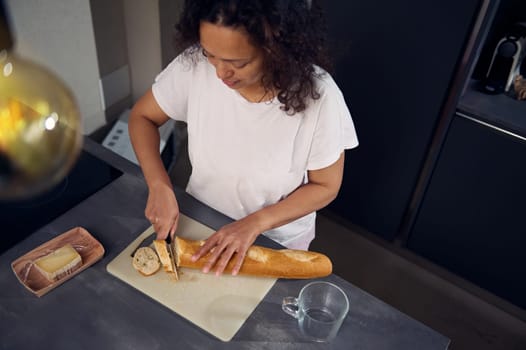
[173, 257]
[145, 242]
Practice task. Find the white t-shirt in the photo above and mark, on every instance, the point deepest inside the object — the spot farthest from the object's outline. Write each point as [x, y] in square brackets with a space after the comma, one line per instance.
[245, 155]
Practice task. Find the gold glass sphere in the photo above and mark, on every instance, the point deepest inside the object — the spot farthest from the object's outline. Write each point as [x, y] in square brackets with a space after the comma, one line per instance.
[40, 128]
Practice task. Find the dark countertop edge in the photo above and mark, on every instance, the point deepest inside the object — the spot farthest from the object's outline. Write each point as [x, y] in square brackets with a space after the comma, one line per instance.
[111, 157]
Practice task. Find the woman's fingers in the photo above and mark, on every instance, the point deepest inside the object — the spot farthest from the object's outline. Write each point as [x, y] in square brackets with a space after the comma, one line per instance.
[231, 242]
[224, 259]
[174, 227]
[240, 257]
[162, 210]
[220, 255]
[165, 227]
[210, 243]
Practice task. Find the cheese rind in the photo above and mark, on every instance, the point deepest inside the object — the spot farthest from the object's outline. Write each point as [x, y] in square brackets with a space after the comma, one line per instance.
[59, 263]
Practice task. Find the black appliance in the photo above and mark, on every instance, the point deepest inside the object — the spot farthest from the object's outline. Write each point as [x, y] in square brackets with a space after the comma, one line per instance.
[20, 218]
[507, 62]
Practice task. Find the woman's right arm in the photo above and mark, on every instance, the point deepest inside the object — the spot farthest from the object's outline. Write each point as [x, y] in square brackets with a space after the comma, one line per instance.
[143, 126]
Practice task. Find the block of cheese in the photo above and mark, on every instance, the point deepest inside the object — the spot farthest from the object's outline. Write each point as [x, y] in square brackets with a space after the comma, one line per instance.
[59, 263]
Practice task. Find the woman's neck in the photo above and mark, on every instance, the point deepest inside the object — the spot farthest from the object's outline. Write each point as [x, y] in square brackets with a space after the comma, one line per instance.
[257, 94]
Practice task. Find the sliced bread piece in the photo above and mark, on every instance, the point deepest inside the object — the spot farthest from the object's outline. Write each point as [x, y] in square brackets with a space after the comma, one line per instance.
[162, 249]
[146, 261]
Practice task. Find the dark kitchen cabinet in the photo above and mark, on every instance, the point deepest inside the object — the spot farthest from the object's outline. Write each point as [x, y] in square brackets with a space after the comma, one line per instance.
[471, 217]
[471, 220]
[396, 63]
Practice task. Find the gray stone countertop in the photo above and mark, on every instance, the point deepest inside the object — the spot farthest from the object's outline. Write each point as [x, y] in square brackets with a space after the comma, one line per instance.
[95, 310]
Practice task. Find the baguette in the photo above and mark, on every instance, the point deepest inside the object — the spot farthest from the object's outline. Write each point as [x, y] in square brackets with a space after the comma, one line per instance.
[261, 261]
[146, 261]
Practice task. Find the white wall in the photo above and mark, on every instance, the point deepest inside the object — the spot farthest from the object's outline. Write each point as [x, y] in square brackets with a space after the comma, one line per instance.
[59, 35]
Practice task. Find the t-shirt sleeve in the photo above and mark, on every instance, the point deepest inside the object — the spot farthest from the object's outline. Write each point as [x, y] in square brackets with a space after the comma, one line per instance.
[334, 130]
[171, 88]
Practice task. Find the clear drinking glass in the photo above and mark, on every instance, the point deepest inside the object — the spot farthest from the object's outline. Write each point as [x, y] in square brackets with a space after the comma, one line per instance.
[320, 310]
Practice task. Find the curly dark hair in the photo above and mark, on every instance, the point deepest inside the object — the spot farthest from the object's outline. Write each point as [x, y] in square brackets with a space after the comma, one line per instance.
[291, 33]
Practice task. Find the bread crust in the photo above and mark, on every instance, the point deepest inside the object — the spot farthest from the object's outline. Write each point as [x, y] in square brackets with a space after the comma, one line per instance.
[146, 261]
[262, 261]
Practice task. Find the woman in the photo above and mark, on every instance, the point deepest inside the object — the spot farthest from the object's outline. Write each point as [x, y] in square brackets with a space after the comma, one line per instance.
[267, 126]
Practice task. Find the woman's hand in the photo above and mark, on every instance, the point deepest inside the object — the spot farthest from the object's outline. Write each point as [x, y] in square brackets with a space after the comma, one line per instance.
[162, 210]
[231, 240]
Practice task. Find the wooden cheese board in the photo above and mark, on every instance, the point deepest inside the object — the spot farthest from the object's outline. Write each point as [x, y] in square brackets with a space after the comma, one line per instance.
[89, 249]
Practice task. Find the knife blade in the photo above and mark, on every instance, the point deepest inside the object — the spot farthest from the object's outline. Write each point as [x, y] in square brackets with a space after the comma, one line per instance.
[145, 243]
[173, 257]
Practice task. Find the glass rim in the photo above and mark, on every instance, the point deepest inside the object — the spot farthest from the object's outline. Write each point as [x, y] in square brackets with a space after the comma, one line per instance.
[345, 297]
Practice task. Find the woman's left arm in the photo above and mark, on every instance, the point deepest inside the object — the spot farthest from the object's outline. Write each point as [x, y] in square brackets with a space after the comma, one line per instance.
[238, 236]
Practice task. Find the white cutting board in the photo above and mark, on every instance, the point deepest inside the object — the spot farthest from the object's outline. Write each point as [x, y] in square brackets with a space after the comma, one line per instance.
[219, 305]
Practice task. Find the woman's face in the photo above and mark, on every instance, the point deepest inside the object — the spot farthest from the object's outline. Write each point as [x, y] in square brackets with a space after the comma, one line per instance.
[238, 63]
